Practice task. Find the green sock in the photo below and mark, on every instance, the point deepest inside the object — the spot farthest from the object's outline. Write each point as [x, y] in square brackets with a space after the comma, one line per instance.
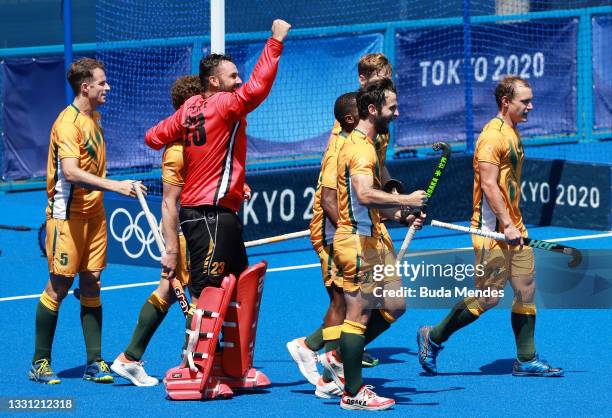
[457, 318]
[91, 321]
[315, 340]
[376, 326]
[352, 352]
[148, 321]
[330, 345]
[46, 322]
[524, 329]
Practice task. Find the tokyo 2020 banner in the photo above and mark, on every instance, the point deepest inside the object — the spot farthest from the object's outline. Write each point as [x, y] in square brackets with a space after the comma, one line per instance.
[430, 76]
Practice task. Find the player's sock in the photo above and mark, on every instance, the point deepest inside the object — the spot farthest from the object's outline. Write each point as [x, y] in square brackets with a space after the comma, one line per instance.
[523, 320]
[315, 340]
[91, 321]
[331, 336]
[352, 342]
[380, 321]
[47, 313]
[463, 313]
[151, 315]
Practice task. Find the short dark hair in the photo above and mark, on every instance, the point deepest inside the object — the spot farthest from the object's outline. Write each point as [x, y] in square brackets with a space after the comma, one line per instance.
[345, 104]
[507, 87]
[371, 64]
[373, 93]
[81, 71]
[185, 87]
[208, 64]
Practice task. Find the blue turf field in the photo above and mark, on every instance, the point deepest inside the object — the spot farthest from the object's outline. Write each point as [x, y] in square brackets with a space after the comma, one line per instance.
[475, 367]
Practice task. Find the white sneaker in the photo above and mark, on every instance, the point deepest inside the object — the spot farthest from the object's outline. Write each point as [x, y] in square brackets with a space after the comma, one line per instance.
[366, 400]
[327, 390]
[334, 366]
[134, 372]
[305, 358]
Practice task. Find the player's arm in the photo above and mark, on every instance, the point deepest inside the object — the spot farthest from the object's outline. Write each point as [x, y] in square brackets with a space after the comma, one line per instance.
[77, 176]
[367, 195]
[246, 98]
[489, 173]
[171, 194]
[165, 131]
[329, 203]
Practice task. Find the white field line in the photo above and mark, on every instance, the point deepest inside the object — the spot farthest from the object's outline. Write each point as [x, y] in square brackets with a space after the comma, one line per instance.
[308, 266]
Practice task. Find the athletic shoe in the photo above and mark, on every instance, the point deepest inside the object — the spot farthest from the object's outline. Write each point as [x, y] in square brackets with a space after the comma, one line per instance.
[535, 367]
[368, 360]
[334, 366]
[428, 351]
[327, 390]
[305, 358]
[42, 372]
[134, 372]
[99, 372]
[366, 400]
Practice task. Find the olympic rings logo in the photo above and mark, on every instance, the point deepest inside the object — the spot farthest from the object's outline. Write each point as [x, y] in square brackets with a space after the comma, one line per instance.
[134, 229]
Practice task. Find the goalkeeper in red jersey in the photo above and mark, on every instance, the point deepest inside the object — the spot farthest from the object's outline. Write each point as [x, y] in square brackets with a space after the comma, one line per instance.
[212, 127]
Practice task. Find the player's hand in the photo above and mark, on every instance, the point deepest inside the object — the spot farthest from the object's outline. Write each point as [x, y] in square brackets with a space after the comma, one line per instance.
[415, 199]
[280, 29]
[246, 192]
[416, 221]
[513, 235]
[168, 263]
[128, 188]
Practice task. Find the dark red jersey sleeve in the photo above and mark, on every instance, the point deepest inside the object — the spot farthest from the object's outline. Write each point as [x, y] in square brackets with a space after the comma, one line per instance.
[166, 131]
[250, 95]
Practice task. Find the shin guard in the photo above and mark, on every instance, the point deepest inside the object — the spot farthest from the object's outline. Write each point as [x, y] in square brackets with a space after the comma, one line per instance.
[239, 332]
[190, 380]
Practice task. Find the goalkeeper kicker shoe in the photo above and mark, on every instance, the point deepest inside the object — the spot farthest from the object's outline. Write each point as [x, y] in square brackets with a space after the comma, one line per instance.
[98, 371]
[366, 400]
[134, 372]
[428, 351]
[42, 372]
[535, 367]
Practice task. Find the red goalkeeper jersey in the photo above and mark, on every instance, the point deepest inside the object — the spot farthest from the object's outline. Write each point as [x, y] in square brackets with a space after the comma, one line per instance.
[213, 131]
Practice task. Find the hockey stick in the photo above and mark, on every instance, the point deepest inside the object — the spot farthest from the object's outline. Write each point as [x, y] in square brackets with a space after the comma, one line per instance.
[446, 154]
[175, 283]
[530, 242]
[277, 238]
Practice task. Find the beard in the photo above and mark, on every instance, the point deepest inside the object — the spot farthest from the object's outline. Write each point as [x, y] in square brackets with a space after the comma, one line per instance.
[382, 125]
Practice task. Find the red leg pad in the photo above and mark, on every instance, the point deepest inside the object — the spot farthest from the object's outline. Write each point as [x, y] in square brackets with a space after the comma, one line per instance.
[190, 380]
[252, 379]
[240, 327]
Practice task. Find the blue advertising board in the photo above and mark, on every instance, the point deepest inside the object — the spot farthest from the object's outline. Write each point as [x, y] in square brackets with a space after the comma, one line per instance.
[553, 192]
[430, 77]
[602, 76]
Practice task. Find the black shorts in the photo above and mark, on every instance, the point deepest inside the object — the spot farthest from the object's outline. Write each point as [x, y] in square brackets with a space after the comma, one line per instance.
[215, 245]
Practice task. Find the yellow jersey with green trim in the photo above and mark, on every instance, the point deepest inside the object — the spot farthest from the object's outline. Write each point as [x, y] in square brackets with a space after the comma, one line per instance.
[75, 135]
[173, 168]
[499, 144]
[321, 228]
[358, 156]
